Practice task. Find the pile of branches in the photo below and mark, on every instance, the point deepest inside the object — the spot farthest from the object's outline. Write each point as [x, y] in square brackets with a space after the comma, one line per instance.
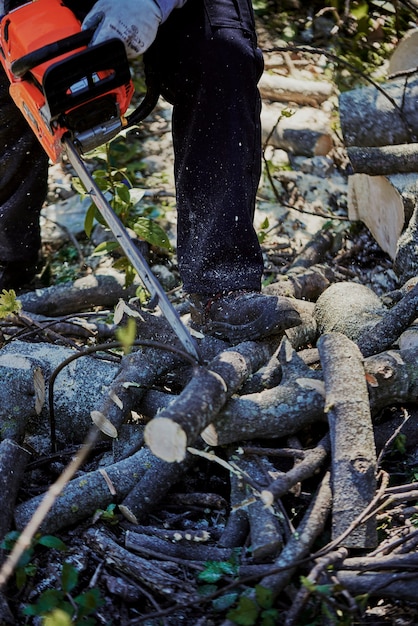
[261, 469]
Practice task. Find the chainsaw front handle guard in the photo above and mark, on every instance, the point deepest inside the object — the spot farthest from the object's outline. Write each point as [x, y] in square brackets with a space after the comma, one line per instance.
[26, 63]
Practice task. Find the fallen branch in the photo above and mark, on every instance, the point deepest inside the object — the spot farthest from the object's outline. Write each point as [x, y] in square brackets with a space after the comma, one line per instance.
[178, 426]
[353, 473]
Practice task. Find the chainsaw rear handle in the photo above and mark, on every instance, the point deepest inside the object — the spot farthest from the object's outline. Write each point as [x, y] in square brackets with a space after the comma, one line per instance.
[26, 63]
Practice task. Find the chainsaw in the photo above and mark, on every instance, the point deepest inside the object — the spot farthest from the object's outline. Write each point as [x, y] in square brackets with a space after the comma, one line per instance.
[75, 97]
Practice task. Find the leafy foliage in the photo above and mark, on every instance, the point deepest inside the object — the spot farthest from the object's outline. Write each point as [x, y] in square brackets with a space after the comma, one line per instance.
[9, 304]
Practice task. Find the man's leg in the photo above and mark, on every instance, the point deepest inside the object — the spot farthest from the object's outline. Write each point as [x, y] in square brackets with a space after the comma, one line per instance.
[23, 186]
[208, 65]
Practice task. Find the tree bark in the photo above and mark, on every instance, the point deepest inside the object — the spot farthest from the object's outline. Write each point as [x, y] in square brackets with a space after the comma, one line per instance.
[13, 461]
[283, 89]
[370, 118]
[384, 160]
[353, 473]
[177, 426]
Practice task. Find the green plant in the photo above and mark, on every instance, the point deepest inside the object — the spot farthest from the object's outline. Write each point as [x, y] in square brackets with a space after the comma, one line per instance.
[56, 607]
[55, 604]
[118, 186]
[9, 304]
[255, 610]
[25, 566]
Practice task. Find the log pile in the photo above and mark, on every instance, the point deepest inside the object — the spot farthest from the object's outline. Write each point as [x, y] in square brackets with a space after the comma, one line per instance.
[256, 481]
[268, 417]
[380, 129]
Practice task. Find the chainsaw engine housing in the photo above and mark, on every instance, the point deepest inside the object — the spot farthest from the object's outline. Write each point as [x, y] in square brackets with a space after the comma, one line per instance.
[62, 85]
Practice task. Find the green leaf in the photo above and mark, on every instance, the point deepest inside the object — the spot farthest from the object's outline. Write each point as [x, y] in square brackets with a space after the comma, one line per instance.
[58, 617]
[359, 10]
[264, 597]
[105, 247]
[136, 195]
[224, 602]
[269, 617]
[69, 577]
[78, 186]
[9, 304]
[10, 539]
[214, 570]
[123, 193]
[246, 613]
[49, 541]
[151, 232]
[89, 219]
[48, 601]
[88, 602]
[127, 334]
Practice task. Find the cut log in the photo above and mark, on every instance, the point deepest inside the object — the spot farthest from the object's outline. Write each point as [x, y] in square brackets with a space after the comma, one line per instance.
[300, 544]
[396, 585]
[178, 426]
[153, 487]
[296, 402]
[102, 289]
[285, 89]
[353, 472]
[299, 400]
[384, 204]
[25, 370]
[13, 461]
[380, 117]
[85, 494]
[147, 572]
[266, 529]
[348, 308]
[149, 546]
[384, 160]
[305, 133]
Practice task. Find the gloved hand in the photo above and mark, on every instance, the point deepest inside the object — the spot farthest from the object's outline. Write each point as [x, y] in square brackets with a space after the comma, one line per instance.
[135, 22]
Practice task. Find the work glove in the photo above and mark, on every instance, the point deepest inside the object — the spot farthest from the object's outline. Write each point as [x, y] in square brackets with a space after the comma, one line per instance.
[135, 22]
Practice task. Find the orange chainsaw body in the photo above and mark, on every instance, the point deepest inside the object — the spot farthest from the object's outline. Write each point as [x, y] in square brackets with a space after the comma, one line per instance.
[61, 85]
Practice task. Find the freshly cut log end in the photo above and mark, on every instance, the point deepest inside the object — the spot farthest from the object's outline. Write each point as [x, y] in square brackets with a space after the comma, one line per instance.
[209, 435]
[166, 439]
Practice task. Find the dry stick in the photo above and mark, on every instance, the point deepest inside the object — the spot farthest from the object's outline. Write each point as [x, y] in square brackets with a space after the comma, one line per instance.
[298, 547]
[315, 574]
[179, 425]
[301, 471]
[296, 402]
[352, 439]
[311, 526]
[13, 460]
[45, 505]
[389, 328]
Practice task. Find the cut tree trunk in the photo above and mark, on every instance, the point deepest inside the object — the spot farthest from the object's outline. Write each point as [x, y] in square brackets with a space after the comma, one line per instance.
[385, 204]
[283, 89]
[178, 426]
[305, 133]
[384, 160]
[380, 117]
[353, 472]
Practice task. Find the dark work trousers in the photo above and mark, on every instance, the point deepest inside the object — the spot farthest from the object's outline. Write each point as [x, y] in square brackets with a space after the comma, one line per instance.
[207, 64]
[23, 184]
